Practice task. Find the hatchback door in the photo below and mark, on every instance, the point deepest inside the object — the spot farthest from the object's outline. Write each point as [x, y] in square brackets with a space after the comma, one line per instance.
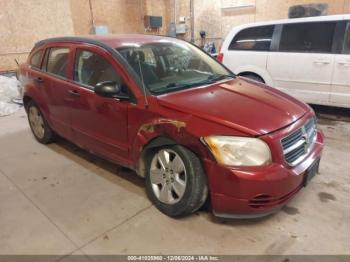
[302, 63]
[340, 95]
[99, 124]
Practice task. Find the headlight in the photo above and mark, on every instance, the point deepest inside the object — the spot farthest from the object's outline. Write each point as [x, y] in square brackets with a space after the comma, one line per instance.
[238, 151]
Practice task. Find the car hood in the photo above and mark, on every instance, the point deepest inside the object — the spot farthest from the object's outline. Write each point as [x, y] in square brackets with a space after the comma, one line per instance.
[242, 104]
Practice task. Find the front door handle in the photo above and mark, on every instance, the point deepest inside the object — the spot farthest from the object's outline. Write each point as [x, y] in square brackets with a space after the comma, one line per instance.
[74, 93]
[39, 80]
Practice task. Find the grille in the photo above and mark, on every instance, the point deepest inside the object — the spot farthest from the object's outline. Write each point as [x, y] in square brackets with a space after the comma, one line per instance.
[296, 145]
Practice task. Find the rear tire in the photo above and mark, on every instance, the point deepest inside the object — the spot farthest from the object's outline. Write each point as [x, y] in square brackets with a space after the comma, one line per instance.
[175, 181]
[38, 124]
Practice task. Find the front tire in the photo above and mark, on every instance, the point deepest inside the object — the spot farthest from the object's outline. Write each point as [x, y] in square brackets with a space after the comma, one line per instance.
[175, 181]
[39, 126]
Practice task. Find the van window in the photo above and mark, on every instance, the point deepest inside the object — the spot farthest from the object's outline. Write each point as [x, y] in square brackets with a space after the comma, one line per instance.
[35, 61]
[346, 48]
[57, 61]
[255, 38]
[91, 68]
[307, 37]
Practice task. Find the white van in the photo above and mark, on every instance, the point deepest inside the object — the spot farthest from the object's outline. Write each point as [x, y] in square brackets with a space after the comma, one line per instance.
[308, 58]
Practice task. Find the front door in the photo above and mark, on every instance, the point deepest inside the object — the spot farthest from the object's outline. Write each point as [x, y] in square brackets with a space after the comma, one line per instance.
[340, 94]
[99, 124]
[303, 64]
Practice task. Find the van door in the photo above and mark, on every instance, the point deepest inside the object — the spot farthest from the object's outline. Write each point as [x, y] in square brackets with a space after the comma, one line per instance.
[248, 50]
[302, 63]
[340, 94]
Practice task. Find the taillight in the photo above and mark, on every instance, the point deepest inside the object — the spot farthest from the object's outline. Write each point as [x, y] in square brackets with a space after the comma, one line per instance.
[220, 57]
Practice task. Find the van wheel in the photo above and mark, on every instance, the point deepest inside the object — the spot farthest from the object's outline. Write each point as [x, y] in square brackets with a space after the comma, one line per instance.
[254, 77]
[175, 181]
[41, 130]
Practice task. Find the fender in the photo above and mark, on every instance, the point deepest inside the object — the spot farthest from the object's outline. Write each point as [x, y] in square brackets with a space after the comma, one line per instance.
[156, 133]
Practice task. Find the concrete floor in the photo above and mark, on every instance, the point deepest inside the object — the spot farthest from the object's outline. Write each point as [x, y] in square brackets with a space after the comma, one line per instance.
[58, 199]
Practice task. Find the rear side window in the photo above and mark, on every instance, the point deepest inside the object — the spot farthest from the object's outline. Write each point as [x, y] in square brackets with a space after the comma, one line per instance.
[35, 60]
[57, 61]
[307, 37]
[255, 38]
[346, 48]
[91, 69]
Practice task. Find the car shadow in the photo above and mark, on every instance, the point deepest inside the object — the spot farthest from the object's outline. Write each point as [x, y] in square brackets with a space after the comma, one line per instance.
[327, 114]
[95, 164]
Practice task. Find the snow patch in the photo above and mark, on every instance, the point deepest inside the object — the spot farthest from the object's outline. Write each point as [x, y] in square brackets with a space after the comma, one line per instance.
[10, 90]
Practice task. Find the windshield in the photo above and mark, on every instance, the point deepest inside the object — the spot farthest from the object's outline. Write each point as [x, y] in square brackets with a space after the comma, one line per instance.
[170, 66]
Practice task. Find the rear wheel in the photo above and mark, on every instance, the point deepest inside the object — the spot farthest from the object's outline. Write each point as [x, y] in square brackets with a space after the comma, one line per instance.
[175, 181]
[41, 130]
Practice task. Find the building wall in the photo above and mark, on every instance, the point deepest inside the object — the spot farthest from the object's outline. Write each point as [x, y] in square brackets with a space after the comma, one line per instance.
[217, 23]
[24, 22]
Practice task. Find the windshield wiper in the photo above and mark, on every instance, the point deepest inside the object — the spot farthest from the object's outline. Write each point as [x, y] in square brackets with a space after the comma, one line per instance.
[212, 79]
[179, 86]
[172, 87]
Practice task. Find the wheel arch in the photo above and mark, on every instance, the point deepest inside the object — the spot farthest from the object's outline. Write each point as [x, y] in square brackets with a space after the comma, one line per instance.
[257, 71]
[244, 74]
[155, 142]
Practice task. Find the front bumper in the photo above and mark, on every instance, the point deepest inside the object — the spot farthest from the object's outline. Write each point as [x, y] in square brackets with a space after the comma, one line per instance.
[249, 192]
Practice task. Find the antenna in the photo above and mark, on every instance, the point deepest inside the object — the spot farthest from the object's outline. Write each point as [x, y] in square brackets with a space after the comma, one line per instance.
[143, 83]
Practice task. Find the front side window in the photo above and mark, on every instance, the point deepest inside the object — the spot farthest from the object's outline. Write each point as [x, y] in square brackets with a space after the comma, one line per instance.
[307, 37]
[255, 38]
[57, 61]
[168, 66]
[35, 60]
[91, 69]
[346, 48]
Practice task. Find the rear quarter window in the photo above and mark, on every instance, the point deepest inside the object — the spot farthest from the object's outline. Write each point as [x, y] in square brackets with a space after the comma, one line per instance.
[57, 61]
[35, 60]
[254, 39]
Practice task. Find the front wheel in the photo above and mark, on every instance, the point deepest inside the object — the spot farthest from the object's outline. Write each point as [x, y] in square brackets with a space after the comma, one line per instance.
[175, 181]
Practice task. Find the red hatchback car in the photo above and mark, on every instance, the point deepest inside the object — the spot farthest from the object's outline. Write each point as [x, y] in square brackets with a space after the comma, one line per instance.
[167, 110]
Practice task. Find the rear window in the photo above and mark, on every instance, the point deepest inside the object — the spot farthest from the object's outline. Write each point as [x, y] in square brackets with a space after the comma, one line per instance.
[254, 38]
[346, 48]
[307, 37]
[57, 61]
[35, 60]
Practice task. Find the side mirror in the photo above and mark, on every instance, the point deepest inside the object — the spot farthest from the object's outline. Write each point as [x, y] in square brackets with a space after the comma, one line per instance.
[110, 89]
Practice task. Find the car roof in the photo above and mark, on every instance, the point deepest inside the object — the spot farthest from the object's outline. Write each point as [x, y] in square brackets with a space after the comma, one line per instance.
[110, 40]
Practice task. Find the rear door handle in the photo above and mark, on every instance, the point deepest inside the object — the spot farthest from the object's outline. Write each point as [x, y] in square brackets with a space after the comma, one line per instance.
[344, 63]
[74, 93]
[39, 80]
[322, 62]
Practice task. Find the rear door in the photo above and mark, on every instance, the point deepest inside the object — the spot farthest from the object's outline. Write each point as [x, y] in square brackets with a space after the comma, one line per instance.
[249, 49]
[340, 94]
[55, 88]
[99, 124]
[303, 61]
